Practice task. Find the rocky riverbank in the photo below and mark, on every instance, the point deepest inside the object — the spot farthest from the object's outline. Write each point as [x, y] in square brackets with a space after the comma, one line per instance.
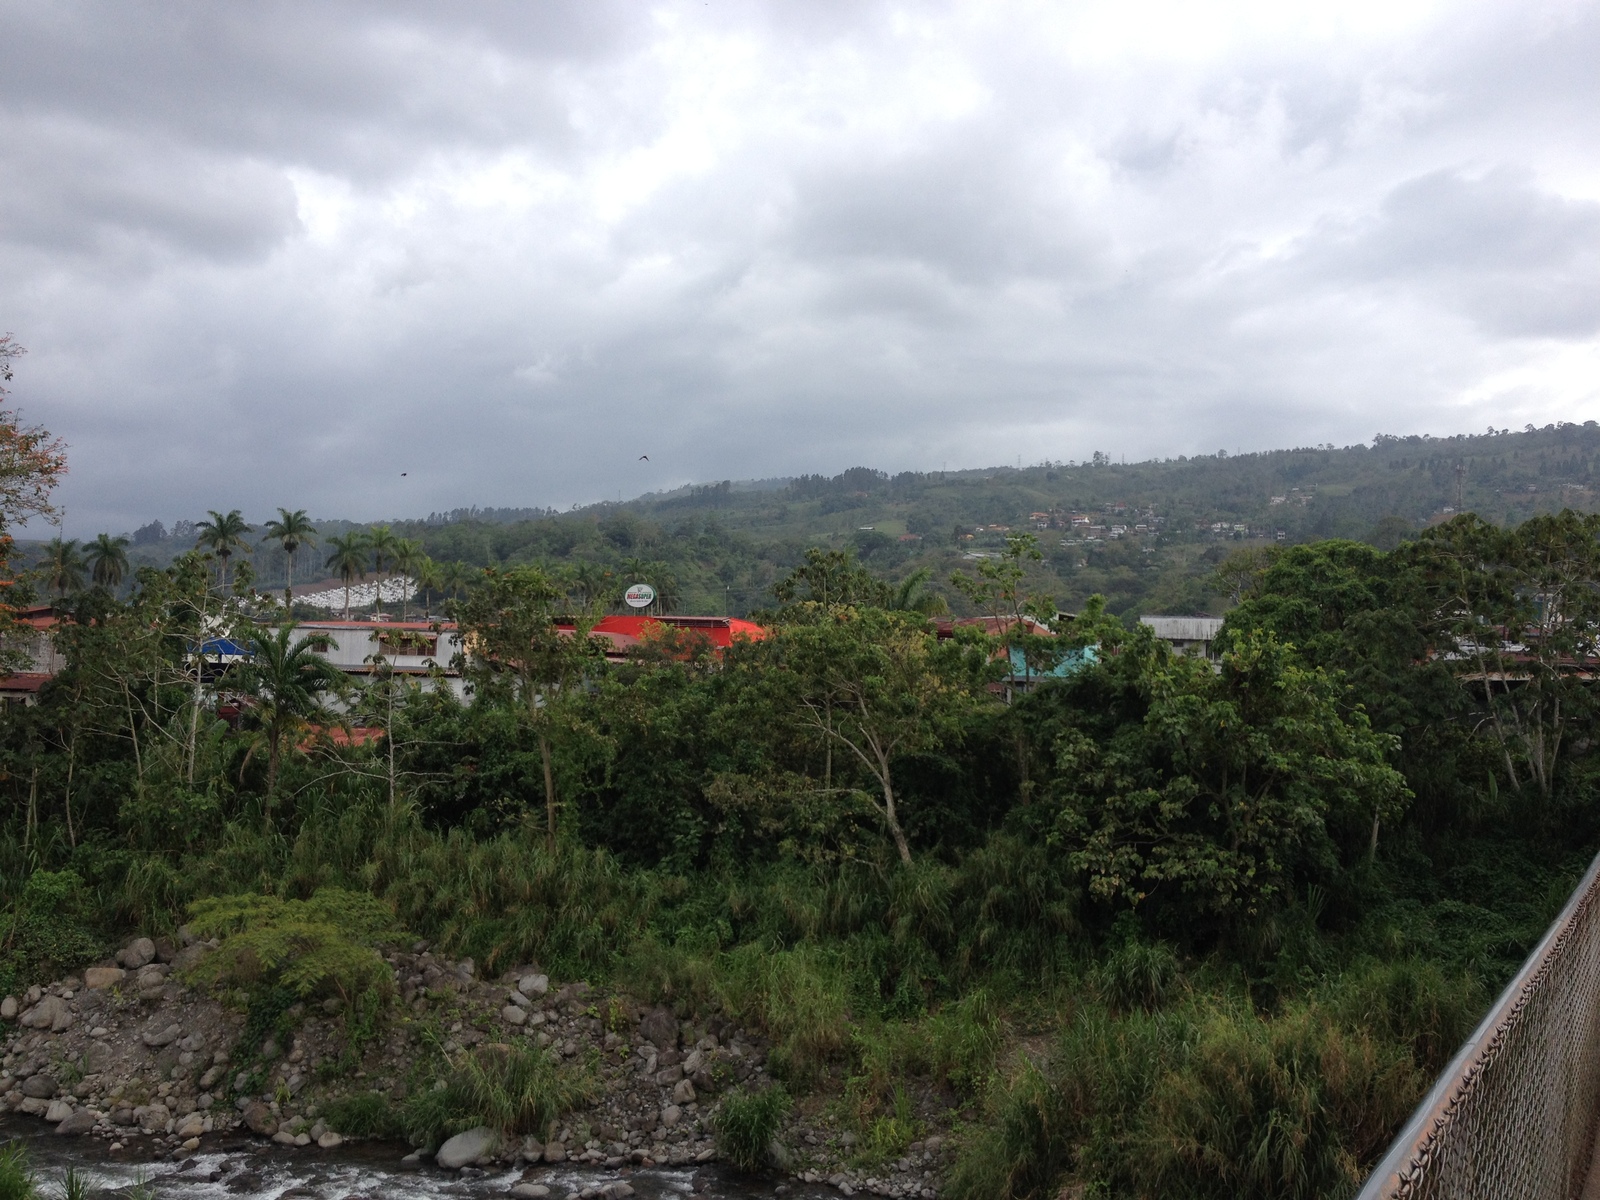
[129, 1052]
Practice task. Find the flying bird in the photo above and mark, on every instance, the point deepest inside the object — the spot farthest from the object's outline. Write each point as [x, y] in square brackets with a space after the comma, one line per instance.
[402, 474]
[644, 458]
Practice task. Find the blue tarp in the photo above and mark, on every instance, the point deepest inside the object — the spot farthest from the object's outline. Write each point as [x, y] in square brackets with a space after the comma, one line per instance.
[222, 648]
[1072, 661]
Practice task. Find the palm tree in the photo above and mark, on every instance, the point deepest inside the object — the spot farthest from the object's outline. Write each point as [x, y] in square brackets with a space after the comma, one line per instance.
[224, 535]
[455, 578]
[286, 679]
[382, 544]
[349, 558]
[108, 561]
[64, 566]
[409, 560]
[589, 584]
[430, 578]
[291, 531]
[913, 596]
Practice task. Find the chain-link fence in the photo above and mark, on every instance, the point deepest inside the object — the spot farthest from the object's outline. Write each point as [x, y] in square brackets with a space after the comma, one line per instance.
[1513, 1117]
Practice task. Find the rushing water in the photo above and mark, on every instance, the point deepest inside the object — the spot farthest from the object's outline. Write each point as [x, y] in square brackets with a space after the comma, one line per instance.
[247, 1169]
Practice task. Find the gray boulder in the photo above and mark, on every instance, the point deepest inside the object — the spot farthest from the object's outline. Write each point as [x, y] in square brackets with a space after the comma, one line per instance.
[79, 1123]
[103, 977]
[137, 953]
[155, 1038]
[533, 985]
[41, 1086]
[50, 1013]
[660, 1027]
[466, 1148]
[58, 1111]
[259, 1120]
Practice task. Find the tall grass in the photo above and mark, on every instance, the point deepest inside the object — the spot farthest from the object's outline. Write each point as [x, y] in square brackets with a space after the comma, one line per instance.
[746, 1123]
[16, 1177]
[512, 1090]
[1204, 1101]
[508, 899]
[798, 997]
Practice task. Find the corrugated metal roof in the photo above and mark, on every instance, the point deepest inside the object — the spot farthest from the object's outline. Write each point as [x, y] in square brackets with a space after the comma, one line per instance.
[1184, 629]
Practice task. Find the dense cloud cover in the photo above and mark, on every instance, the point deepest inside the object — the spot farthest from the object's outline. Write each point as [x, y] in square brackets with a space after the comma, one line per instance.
[278, 253]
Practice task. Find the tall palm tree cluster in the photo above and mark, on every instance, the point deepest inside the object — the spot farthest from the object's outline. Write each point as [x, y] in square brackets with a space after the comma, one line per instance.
[387, 556]
[68, 565]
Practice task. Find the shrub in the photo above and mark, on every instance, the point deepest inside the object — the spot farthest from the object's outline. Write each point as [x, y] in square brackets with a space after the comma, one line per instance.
[746, 1123]
[324, 945]
[47, 930]
[513, 1090]
[1138, 975]
[366, 1114]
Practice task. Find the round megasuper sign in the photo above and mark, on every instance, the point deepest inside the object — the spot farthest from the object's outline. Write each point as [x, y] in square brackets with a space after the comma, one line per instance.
[640, 595]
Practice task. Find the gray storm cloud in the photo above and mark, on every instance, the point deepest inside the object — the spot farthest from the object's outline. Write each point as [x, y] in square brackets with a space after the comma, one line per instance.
[280, 253]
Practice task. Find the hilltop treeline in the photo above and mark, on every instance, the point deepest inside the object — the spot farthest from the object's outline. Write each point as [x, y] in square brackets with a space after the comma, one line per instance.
[718, 548]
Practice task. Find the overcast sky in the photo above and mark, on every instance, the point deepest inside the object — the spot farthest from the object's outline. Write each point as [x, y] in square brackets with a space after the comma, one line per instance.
[279, 253]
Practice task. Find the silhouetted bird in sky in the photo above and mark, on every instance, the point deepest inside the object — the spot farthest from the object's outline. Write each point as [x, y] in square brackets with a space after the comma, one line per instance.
[644, 458]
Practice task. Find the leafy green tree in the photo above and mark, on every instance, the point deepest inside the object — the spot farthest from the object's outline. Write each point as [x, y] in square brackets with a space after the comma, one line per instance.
[108, 561]
[1000, 589]
[348, 557]
[222, 535]
[880, 685]
[515, 645]
[1215, 789]
[1237, 575]
[291, 531]
[63, 567]
[287, 680]
[1367, 616]
[1517, 615]
[827, 579]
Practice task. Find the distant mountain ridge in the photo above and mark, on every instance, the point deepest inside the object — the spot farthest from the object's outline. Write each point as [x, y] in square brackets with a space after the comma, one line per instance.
[1147, 535]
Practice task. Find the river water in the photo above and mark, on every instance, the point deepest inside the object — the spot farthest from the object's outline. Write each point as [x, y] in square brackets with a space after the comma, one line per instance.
[242, 1168]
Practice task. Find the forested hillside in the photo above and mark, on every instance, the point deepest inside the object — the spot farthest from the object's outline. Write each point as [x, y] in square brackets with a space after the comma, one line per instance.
[718, 548]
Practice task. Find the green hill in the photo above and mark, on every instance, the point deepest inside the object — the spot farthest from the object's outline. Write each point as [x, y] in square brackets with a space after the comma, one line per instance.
[718, 548]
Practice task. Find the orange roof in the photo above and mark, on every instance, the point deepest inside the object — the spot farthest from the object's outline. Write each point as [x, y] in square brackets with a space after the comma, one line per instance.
[721, 631]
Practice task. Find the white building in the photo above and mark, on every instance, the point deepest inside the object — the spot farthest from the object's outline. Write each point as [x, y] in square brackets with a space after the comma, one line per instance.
[1186, 635]
[420, 648]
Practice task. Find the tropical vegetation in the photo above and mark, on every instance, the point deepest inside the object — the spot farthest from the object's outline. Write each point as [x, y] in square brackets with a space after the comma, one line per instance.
[1147, 924]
